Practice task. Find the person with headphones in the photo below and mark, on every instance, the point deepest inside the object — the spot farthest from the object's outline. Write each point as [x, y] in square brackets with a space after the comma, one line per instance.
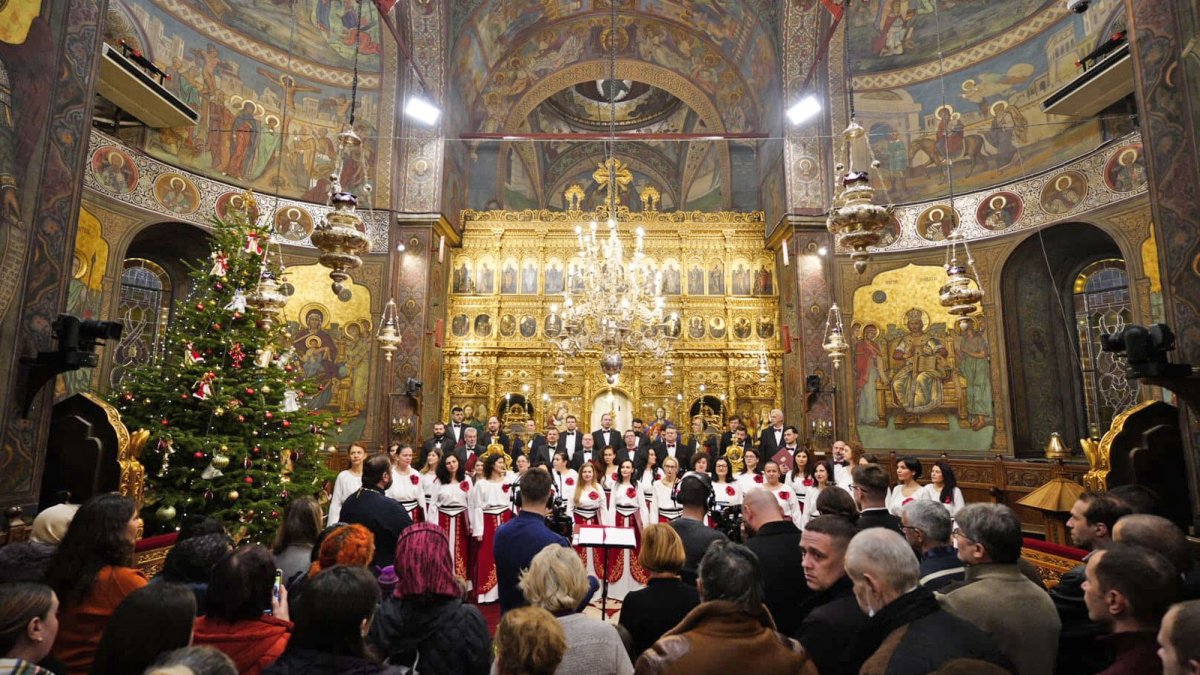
[694, 495]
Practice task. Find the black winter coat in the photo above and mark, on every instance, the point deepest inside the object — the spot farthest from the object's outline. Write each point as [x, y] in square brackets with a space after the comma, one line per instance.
[309, 662]
[448, 636]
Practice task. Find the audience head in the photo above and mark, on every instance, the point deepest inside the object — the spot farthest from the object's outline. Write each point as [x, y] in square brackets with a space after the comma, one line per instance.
[662, 549]
[346, 545]
[529, 641]
[50, 525]
[731, 572]
[1156, 534]
[926, 525]
[1179, 639]
[25, 561]
[334, 612]
[1093, 517]
[301, 524]
[153, 619]
[192, 561]
[555, 580]
[241, 583]
[198, 525]
[103, 533]
[1139, 498]
[823, 547]
[988, 533]
[882, 566]
[836, 502]
[377, 471]
[908, 468]
[694, 489]
[194, 661]
[28, 620]
[759, 507]
[535, 489]
[424, 568]
[1128, 588]
[870, 484]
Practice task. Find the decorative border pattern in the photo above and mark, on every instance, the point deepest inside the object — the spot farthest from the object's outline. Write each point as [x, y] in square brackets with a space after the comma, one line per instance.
[377, 221]
[1029, 190]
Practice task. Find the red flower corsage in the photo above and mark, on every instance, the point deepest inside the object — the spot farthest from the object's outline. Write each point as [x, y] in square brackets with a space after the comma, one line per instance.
[808, 482]
[758, 478]
[631, 493]
[730, 490]
[416, 480]
[614, 477]
[569, 482]
[465, 486]
[948, 500]
[784, 494]
[505, 487]
[593, 495]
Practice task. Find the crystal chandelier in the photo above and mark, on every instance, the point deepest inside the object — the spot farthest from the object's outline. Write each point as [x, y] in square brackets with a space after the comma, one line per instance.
[612, 301]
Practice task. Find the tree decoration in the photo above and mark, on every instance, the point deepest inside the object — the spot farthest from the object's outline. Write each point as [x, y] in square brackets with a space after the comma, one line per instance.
[199, 397]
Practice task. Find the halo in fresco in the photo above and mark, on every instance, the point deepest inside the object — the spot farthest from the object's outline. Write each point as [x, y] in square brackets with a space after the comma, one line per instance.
[176, 193]
[1063, 192]
[999, 211]
[114, 170]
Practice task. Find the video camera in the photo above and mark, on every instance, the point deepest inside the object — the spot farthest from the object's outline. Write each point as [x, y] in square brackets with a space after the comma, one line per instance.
[728, 520]
[558, 520]
[1145, 351]
[78, 339]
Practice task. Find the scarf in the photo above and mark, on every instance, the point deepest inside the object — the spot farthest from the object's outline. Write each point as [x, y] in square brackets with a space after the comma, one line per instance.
[913, 605]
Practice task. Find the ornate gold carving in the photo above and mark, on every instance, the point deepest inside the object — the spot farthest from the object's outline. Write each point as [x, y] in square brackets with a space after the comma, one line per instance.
[129, 449]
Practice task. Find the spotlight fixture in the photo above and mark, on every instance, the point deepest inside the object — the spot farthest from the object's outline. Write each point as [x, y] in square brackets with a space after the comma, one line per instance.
[422, 110]
[804, 109]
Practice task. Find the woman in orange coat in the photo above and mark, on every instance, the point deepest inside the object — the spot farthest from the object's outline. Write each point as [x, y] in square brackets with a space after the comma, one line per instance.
[238, 622]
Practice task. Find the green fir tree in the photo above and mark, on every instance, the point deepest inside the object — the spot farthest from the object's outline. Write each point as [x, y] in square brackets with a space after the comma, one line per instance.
[230, 437]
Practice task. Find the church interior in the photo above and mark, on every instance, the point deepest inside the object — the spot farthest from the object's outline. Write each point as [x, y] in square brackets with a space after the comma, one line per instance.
[926, 227]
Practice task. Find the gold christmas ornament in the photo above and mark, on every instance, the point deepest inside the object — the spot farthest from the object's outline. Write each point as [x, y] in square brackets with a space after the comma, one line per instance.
[219, 462]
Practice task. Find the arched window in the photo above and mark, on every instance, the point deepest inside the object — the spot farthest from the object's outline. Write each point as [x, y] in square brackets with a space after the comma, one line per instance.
[144, 306]
[1102, 307]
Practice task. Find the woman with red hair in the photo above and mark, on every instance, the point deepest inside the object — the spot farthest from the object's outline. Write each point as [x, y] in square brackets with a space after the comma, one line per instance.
[424, 624]
[352, 545]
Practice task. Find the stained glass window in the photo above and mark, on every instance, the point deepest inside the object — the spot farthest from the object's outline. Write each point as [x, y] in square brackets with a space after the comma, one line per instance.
[144, 306]
[1102, 307]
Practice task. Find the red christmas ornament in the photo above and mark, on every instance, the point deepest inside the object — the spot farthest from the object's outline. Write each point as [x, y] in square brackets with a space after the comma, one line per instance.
[269, 415]
[274, 515]
[295, 456]
[246, 463]
[250, 392]
[184, 395]
[241, 418]
[288, 369]
[286, 424]
[256, 450]
[219, 286]
[249, 480]
[128, 396]
[237, 316]
[200, 306]
[337, 420]
[198, 455]
[283, 494]
[166, 422]
[216, 326]
[208, 495]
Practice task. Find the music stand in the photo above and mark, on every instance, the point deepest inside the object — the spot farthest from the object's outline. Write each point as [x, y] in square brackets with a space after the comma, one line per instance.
[605, 537]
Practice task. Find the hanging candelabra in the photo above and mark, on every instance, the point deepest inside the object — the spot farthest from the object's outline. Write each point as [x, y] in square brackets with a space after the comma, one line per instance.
[856, 221]
[962, 293]
[341, 236]
[389, 333]
[835, 336]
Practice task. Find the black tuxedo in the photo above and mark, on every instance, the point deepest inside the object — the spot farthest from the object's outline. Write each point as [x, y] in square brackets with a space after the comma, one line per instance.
[878, 517]
[616, 439]
[540, 452]
[683, 454]
[468, 460]
[623, 454]
[457, 434]
[442, 444]
[767, 443]
[577, 458]
[485, 439]
[562, 441]
[522, 446]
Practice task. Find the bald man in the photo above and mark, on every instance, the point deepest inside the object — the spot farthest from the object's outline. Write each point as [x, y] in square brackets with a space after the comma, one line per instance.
[1159, 534]
[775, 539]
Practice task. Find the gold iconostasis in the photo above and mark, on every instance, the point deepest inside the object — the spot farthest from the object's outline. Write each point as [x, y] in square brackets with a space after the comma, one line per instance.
[718, 278]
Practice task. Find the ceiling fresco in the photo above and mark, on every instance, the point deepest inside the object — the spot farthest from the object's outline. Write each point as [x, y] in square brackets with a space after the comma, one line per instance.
[268, 116]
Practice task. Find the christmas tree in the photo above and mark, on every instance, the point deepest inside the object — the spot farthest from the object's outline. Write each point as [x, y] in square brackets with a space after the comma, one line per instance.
[230, 437]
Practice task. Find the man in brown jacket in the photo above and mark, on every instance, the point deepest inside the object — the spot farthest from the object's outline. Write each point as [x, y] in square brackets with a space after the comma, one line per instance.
[731, 631]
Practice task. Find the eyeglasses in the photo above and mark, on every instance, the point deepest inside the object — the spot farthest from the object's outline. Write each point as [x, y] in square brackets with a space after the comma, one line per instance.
[957, 532]
[906, 528]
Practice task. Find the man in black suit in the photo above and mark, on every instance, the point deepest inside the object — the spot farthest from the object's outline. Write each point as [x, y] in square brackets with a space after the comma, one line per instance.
[523, 446]
[735, 423]
[571, 439]
[543, 449]
[606, 436]
[386, 518]
[831, 619]
[630, 449]
[457, 426]
[439, 441]
[870, 491]
[469, 450]
[494, 434]
[640, 431]
[776, 541]
[670, 446]
[771, 438]
[585, 453]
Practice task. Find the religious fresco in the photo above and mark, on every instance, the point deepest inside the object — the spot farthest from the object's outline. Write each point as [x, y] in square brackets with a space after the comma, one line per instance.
[1126, 169]
[986, 116]
[334, 342]
[262, 127]
[85, 292]
[999, 211]
[937, 222]
[922, 379]
[293, 223]
[176, 193]
[1063, 192]
[890, 34]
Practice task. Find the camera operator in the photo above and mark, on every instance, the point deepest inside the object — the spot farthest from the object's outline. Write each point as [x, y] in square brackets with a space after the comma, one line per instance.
[695, 497]
[523, 537]
[775, 539]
